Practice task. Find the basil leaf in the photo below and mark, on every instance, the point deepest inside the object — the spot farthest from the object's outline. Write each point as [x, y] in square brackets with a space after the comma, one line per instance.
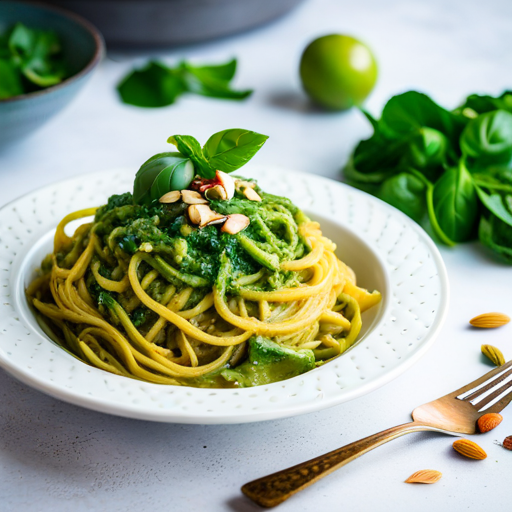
[455, 204]
[408, 112]
[10, 80]
[155, 176]
[480, 104]
[21, 41]
[229, 150]
[153, 86]
[373, 121]
[429, 148]
[379, 153]
[497, 236]
[212, 81]
[174, 177]
[488, 138]
[494, 179]
[496, 205]
[190, 147]
[405, 192]
[221, 72]
[38, 54]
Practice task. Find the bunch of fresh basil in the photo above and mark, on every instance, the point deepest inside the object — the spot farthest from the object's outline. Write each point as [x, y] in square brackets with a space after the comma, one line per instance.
[158, 85]
[30, 59]
[226, 151]
[449, 169]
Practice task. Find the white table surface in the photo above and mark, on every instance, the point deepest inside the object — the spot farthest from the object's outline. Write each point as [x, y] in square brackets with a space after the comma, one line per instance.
[57, 457]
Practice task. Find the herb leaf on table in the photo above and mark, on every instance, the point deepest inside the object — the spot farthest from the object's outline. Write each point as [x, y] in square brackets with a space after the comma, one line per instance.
[158, 85]
[153, 86]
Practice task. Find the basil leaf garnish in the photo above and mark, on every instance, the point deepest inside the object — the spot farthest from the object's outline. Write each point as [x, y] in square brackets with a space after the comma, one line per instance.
[226, 151]
[160, 174]
[230, 149]
[190, 147]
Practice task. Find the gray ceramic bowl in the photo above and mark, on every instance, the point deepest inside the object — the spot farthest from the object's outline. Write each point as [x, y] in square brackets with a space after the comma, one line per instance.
[174, 22]
[83, 48]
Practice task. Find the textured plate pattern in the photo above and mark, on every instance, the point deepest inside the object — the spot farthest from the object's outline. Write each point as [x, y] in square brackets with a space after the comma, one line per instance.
[416, 305]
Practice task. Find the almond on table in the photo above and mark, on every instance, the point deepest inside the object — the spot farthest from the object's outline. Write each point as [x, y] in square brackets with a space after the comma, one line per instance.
[489, 421]
[507, 443]
[424, 476]
[469, 449]
[493, 354]
[489, 320]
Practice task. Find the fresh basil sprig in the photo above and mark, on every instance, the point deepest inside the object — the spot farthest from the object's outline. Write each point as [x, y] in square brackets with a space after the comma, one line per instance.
[158, 85]
[226, 151]
[448, 170]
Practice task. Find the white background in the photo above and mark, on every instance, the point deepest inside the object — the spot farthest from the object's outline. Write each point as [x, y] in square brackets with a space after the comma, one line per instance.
[57, 457]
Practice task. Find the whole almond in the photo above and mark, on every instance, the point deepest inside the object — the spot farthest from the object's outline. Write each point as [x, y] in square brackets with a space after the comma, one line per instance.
[507, 443]
[469, 449]
[424, 476]
[489, 320]
[494, 354]
[489, 421]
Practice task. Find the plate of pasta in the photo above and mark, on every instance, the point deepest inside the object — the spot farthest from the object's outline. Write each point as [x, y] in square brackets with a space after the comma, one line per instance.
[194, 291]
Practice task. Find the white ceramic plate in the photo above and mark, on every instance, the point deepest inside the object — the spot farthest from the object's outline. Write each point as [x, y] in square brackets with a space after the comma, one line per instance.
[387, 250]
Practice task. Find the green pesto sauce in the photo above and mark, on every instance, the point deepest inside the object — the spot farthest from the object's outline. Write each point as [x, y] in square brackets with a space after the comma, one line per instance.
[273, 228]
[269, 362]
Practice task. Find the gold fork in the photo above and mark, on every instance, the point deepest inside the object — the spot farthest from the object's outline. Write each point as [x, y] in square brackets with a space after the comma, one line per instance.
[455, 413]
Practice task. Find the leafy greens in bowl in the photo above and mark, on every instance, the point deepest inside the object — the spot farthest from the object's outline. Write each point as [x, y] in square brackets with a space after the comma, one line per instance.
[46, 56]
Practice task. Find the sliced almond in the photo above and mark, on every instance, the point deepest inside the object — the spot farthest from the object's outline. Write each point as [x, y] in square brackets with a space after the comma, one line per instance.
[251, 194]
[489, 320]
[235, 223]
[241, 184]
[192, 197]
[202, 215]
[227, 182]
[217, 192]
[171, 197]
[424, 476]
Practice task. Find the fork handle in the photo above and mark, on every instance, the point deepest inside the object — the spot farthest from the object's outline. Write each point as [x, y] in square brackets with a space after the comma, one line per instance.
[271, 490]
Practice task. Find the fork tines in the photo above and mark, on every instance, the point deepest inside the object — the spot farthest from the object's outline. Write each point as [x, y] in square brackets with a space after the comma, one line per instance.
[491, 390]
